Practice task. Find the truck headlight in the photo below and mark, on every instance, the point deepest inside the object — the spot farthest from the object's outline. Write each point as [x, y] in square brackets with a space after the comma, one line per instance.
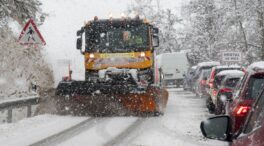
[142, 54]
[91, 55]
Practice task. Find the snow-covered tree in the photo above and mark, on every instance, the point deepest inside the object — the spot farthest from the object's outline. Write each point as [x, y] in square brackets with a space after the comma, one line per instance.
[20, 10]
[214, 26]
[164, 19]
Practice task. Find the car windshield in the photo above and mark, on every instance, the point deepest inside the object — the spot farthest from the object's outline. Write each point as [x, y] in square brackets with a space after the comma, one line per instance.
[118, 39]
[205, 73]
[255, 85]
[218, 80]
[231, 82]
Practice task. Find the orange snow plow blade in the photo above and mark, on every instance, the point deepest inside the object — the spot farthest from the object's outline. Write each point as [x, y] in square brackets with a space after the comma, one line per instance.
[153, 100]
[109, 100]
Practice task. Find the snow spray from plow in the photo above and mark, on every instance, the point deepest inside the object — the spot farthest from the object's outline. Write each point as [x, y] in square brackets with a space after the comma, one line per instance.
[101, 99]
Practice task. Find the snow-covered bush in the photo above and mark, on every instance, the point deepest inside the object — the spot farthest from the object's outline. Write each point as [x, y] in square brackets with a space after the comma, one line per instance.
[20, 66]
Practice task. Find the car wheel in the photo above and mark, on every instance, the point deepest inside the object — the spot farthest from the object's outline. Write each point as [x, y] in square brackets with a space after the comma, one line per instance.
[210, 105]
[219, 106]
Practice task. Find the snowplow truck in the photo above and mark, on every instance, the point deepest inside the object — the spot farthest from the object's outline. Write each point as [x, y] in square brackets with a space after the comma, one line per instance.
[121, 76]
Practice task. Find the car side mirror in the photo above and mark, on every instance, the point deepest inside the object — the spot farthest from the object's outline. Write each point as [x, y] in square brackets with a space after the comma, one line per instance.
[227, 93]
[79, 43]
[207, 86]
[217, 128]
[229, 96]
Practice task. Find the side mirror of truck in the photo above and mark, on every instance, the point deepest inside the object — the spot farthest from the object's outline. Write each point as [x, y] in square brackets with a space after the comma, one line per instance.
[79, 44]
[155, 31]
[155, 41]
[80, 32]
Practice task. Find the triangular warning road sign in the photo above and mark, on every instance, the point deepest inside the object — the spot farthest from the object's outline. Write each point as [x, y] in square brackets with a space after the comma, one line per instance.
[30, 34]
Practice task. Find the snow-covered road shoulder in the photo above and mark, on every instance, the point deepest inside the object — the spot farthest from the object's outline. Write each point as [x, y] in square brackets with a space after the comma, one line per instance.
[28, 131]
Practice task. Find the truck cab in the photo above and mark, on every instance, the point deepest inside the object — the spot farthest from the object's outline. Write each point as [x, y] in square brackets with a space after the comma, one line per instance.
[125, 45]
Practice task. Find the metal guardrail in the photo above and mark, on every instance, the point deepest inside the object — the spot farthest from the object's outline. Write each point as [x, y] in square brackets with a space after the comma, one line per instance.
[9, 105]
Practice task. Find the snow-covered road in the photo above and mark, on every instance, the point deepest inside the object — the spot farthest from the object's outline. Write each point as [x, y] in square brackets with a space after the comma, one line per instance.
[179, 126]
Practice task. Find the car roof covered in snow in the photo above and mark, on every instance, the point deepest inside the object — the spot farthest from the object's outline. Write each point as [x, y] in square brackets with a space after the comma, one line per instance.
[233, 73]
[194, 67]
[209, 63]
[227, 66]
[256, 67]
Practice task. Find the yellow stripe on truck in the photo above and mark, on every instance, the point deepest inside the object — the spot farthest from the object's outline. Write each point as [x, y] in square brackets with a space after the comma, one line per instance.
[105, 60]
[113, 55]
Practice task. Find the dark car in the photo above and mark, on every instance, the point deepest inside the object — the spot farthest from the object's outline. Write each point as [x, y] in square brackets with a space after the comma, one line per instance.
[225, 82]
[200, 67]
[212, 91]
[187, 81]
[200, 84]
[251, 133]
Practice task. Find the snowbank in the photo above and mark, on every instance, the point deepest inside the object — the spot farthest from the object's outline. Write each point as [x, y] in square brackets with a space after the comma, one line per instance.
[30, 130]
[21, 67]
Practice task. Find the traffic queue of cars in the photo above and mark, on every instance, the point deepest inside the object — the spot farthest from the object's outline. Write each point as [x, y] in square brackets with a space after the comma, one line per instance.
[236, 95]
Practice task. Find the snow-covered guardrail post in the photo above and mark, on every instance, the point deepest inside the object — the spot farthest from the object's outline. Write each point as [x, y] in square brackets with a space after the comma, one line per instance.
[11, 104]
[9, 115]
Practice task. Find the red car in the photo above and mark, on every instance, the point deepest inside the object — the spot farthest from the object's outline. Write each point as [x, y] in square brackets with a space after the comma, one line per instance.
[225, 82]
[200, 84]
[212, 91]
[252, 131]
[244, 96]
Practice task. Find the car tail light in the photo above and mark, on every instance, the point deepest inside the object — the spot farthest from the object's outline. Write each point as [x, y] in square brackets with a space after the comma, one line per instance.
[211, 85]
[223, 90]
[242, 110]
[214, 92]
[202, 82]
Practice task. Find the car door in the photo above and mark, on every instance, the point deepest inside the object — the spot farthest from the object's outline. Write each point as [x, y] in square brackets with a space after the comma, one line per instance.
[238, 92]
[253, 130]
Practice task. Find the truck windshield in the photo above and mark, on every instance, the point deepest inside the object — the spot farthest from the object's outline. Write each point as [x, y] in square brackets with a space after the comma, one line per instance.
[118, 39]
